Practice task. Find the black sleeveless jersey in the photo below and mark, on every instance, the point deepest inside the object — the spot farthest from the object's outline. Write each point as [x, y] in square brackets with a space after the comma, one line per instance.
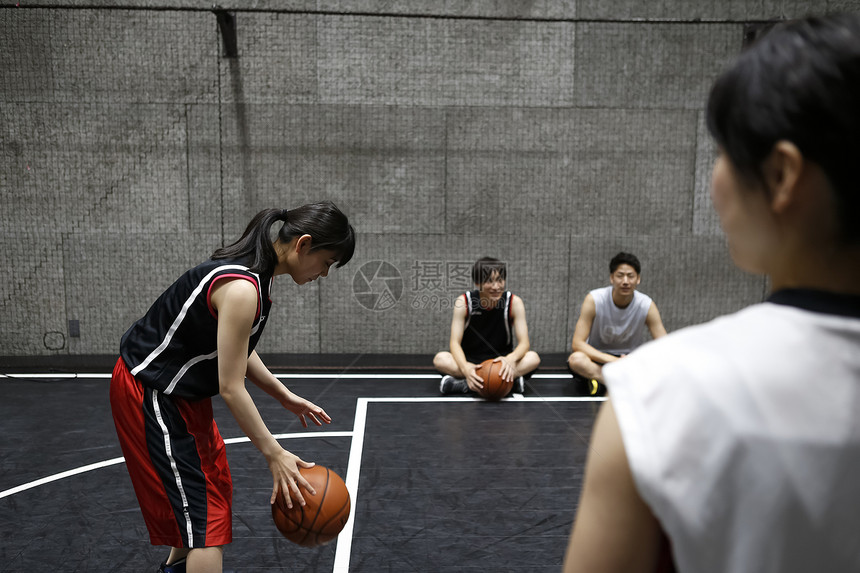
[488, 331]
[173, 348]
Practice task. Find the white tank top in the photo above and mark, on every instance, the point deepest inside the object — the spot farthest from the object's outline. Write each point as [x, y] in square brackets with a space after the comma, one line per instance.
[743, 439]
[618, 330]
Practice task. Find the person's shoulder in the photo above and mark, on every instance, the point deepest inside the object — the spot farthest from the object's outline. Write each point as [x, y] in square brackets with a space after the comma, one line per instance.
[235, 292]
[688, 346]
[600, 291]
[642, 297]
[516, 300]
[209, 270]
[599, 295]
[220, 266]
[217, 263]
[239, 286]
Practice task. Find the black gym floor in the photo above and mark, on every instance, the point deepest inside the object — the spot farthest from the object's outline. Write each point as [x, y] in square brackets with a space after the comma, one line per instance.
[438, 484]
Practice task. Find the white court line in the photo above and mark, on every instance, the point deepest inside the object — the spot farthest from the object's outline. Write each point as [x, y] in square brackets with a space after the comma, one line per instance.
[358, 376]
[67, 376]
[353, 468]
[513, 398]
[114, 461]
[344, 540]
[61, 475]
[63, 375]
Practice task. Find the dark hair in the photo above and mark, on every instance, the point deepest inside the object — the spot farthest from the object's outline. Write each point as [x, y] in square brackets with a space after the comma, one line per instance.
[798, 82]
[625, 259]
[485, 267]
[324, 222]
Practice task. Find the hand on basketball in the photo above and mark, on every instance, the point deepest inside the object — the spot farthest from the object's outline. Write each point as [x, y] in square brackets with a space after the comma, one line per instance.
[287, 478]
[306, 409]
[474, 381]
[507, 372]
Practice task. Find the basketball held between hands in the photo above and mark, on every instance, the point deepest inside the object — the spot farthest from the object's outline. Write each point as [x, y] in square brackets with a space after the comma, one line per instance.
[473, 379]
[507, 371]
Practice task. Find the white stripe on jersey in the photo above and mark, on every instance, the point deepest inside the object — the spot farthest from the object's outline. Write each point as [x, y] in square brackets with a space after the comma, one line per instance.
[468, 308]
[185, 368]
[181, 316]
[508, 299]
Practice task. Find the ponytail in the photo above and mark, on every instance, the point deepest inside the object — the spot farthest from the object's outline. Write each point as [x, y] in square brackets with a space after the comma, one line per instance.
[328, 227]
[255, 244]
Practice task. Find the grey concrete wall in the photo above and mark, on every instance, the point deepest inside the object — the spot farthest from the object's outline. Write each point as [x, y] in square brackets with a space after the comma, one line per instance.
[548, 134]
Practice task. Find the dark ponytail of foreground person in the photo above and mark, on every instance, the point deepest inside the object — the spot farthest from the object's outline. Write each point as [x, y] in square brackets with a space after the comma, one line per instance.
[328, 227]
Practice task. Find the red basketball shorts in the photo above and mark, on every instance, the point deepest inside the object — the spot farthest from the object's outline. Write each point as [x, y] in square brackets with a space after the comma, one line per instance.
[177, 462]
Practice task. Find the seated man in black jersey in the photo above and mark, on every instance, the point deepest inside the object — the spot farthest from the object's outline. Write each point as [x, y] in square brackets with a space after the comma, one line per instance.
[485, 322]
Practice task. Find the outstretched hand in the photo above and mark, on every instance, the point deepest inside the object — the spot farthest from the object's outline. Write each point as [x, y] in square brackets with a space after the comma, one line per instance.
[305, 409]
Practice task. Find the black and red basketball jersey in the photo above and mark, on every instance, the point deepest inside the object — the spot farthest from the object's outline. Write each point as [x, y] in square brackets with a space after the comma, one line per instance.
[488, 330]
[173, 348]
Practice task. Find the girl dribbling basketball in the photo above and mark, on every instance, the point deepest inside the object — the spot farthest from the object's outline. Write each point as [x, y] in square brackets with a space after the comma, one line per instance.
[196, 341]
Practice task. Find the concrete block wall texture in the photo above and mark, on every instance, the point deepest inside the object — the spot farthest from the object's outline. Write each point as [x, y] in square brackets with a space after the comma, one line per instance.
[548, 134]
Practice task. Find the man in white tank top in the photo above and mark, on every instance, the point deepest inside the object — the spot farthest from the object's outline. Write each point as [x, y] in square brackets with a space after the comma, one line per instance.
[612, 322]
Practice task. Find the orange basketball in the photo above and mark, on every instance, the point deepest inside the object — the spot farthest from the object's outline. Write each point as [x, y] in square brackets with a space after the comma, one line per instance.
[324, 515]
[495, 388]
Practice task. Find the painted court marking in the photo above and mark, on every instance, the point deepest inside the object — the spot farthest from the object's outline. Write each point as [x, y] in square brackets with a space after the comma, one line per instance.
[344, 540]
[120, 460]
[72, 376]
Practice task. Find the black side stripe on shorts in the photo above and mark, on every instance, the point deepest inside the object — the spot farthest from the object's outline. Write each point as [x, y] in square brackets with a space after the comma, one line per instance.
[174, 455]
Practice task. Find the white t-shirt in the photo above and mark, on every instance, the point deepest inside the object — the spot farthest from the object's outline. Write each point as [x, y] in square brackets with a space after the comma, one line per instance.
[618, 330]
[743, 436]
